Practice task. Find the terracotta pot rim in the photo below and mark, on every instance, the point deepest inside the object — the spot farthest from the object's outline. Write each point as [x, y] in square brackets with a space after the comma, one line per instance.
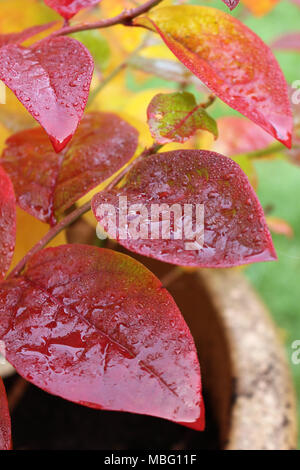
[263, 410]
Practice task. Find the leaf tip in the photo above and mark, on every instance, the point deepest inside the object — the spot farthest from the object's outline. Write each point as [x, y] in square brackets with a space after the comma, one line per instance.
[59, 145]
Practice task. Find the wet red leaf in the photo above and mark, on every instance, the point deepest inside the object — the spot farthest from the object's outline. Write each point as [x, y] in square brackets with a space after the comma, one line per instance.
[69, 8]
[17, 38]
[52, 80]
[238, 136]
[46, 184]
[97, 328]
[5, 427]
[7, 222]
[235, 230]
[230, 59]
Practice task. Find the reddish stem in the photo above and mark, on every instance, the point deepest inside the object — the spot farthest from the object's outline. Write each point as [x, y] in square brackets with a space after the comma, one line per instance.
[125, 18]
[49, 236]
[70, 218]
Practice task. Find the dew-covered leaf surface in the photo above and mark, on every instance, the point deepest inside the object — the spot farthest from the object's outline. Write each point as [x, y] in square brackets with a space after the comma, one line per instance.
[5, 426]
[52, 80]
[97, 328]
[175, 117]
[68, 8]
[230, 59]
[7, 222]
[46, 184]
[235, 230]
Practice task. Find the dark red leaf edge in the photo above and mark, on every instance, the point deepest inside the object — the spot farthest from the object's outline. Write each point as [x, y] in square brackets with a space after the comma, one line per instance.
[5, 424]
[97, 328]
[7, 222]
[235, 230]
[52, 80]
[47, 184]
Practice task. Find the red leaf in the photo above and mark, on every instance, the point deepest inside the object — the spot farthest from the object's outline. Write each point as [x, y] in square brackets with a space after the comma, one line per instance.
[22, 36]
[231, 3]
[7, 222]
[239, 136]
[5, 426]
[69, 8]
[52, 80]
[97, 328]
[46, 184]
[235, 230]
[288, 42]
[297, 2]
[230, 59]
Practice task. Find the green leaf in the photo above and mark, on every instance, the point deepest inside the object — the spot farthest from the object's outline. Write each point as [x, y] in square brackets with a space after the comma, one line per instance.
[175, 117]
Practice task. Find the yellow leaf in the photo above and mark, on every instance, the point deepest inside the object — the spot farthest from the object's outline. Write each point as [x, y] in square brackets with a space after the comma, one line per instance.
[17, 15]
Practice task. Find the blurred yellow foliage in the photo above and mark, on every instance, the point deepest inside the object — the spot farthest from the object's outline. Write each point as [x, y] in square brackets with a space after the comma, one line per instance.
[29, 231]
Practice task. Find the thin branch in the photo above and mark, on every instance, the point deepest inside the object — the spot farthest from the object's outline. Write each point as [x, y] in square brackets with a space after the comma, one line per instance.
[211, 99]
[106, 80]
[49, 236]
[172, 276]
[16, 393]
[124, 18]
[116, 71]
[148, 151]
[271, 149]
[73, 216]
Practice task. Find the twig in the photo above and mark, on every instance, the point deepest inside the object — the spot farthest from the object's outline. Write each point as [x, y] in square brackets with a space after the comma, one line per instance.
[149, 151]
[116, 71]
[171, 276]
[16, 393]
[49, 236]
[273, 148]
[125, 18]
[70, 218]
[211, 99]
[106, 80]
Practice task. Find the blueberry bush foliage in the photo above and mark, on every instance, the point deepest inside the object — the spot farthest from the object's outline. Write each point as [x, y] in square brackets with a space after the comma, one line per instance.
[85, 322]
